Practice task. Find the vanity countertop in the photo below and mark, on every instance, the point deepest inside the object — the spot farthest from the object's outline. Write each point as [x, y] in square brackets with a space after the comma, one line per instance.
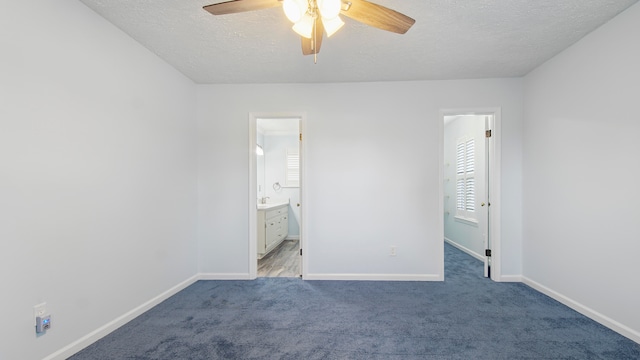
[272, 205]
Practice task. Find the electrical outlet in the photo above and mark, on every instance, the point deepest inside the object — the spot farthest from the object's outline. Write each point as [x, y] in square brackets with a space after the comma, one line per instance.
[392, 252]
[39, 311]
[43, 324]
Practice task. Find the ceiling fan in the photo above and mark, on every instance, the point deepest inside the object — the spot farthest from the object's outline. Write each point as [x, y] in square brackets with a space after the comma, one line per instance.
[312, 18]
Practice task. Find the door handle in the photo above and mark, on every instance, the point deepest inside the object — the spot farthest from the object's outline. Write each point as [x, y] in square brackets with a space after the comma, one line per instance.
[482, 204]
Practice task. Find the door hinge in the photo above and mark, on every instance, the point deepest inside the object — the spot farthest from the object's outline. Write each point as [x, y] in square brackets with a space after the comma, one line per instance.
[487, 252]
[300, 136]
[300, 252]
[487, 133]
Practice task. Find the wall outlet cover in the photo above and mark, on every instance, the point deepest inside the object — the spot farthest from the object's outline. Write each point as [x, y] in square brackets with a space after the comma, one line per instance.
[39, 310]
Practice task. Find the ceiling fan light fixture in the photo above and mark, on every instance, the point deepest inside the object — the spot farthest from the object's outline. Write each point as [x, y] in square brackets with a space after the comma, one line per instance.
[331, 26]
[304, 27]
[329, 8]
[295, 9]
[313, 18]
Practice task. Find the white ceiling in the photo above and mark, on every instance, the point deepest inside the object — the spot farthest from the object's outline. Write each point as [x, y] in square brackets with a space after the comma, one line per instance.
[451, 39]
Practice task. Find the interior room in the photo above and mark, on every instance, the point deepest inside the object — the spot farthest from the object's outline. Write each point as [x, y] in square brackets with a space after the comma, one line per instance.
[127, 145]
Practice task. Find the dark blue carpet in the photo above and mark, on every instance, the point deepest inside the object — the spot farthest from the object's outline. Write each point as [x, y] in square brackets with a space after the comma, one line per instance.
[465, 317]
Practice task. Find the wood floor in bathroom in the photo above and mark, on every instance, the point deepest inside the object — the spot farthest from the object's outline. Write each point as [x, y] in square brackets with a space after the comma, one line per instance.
[283, 261]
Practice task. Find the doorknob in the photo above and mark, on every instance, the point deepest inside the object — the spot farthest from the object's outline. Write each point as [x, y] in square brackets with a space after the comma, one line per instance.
[298, 205]
[482, 204]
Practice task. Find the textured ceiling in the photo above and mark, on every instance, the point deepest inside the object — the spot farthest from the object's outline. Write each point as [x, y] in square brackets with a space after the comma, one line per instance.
[451, 39]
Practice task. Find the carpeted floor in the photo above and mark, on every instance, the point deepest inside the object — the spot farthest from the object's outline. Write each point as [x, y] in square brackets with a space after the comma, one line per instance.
[464, 317]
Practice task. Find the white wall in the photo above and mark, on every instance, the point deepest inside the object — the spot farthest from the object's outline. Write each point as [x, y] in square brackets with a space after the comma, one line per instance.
[97, 174]
[275, 169]
[581, 167]
[371, 167]
[468, 235]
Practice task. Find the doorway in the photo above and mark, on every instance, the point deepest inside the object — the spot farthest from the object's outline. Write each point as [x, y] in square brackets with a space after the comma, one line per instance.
[470, 191]
[275, 204]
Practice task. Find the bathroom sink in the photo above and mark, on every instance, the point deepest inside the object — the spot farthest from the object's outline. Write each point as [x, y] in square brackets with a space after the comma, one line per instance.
[273, 204]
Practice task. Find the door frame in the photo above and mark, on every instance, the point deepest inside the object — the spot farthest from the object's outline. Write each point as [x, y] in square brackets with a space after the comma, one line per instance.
[253, 192]
[493, 176]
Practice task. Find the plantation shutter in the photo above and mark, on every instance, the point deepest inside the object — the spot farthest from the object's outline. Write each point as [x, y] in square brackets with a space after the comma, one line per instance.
[292, 175]
[460, 185]
[465, 178]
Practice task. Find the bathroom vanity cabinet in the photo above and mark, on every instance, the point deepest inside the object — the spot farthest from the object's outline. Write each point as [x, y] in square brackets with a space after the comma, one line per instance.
[273, 228]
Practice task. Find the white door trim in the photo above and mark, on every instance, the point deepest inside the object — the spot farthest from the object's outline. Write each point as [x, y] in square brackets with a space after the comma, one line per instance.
[494, 183]
[253, 193]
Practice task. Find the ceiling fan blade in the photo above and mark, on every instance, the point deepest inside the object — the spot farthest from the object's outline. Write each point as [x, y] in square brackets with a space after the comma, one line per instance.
[377, 16]
[312, 46]
[236, 6]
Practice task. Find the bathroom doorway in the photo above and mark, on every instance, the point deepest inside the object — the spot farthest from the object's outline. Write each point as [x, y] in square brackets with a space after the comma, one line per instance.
[276, 196]
[470, 190]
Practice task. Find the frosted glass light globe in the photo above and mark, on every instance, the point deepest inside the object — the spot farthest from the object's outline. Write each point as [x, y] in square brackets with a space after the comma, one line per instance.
[295, 9]
[304, 27]
[329, 8]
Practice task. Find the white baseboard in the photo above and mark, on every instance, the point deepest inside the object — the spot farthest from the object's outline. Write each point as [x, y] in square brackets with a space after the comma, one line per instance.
[111, 326]
[510, 278]
[292, 237]
[584, 310]
[224, 276]
[465, 249]
[375, 277]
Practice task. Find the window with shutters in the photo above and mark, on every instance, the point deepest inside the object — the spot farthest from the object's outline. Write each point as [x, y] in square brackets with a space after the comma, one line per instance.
[465, 179]
[292, 171]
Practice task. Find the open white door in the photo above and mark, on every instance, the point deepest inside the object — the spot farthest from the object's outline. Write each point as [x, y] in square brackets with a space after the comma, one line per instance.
[485, 205]
[298, 204]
